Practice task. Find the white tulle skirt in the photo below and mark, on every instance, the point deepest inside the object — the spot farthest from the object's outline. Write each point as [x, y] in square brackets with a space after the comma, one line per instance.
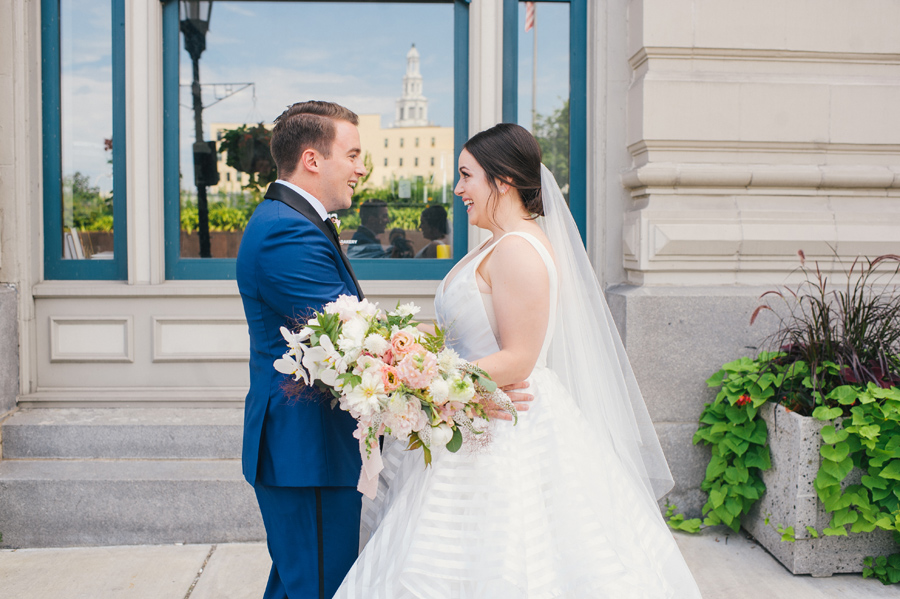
[545, 511]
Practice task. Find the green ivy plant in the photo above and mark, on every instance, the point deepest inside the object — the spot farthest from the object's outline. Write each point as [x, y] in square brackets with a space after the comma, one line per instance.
[737, 439]
[838, 361]
[863, 432]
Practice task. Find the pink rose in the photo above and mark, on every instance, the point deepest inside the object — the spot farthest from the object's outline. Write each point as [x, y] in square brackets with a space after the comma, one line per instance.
[390, 377]
[401, 343]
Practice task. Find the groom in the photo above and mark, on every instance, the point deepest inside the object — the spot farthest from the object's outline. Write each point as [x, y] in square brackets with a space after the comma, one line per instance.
[300, 454]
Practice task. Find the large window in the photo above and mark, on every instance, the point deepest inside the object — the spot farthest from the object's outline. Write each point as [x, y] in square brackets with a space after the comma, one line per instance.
[544, 87]
[229, 71]
[83, 79]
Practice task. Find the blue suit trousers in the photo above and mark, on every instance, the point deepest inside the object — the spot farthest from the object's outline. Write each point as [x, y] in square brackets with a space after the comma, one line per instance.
[313, 538]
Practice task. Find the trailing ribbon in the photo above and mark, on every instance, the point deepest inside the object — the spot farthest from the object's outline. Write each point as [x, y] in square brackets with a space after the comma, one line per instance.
[372, 465]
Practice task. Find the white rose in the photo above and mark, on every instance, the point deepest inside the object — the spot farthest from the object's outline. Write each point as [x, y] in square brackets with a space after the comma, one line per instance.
[352, 335]
[441, 435]
[462, 390]
[367, 308]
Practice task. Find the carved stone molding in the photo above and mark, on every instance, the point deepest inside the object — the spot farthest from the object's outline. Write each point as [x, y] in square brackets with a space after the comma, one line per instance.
[761, 175]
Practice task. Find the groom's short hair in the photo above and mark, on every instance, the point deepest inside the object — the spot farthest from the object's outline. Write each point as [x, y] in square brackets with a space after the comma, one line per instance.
[306, 125]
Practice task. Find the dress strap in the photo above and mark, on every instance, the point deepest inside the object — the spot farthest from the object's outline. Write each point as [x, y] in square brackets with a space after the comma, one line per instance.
[551, 273]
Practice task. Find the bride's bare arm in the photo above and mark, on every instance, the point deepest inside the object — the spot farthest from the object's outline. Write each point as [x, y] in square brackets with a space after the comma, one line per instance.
[520, 286]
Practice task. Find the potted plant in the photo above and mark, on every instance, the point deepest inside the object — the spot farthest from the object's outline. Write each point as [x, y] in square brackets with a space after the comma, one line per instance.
[247, 150]
[806, 439]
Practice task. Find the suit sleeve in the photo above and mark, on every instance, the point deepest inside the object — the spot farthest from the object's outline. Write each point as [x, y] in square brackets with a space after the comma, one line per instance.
[298, 270]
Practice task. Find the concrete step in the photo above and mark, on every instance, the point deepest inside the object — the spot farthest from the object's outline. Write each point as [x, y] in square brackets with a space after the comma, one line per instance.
[64, 503]
[117, 433]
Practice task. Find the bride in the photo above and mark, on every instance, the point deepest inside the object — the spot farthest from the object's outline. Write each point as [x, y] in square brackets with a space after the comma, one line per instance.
[562, 504]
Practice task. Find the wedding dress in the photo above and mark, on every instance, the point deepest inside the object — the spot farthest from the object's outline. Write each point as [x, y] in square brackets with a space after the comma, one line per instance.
[552, 507]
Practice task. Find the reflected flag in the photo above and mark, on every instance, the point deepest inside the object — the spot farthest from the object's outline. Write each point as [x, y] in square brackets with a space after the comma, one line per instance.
[529, 16]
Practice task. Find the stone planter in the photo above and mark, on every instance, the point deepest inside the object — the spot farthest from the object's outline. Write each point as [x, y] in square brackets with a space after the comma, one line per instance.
[790, 499]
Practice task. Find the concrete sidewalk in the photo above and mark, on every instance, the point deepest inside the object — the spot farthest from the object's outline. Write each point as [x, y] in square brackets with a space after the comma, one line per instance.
[726, 566]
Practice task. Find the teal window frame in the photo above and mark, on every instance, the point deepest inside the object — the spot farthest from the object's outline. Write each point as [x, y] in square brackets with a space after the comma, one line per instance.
[55, 267]
[179, 268]
[577, 95]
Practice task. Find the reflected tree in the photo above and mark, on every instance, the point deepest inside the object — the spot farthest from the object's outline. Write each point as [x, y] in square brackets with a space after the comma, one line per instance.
[552, 133]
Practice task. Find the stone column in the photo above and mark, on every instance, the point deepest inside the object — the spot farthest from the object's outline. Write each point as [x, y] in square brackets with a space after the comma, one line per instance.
[755, 130]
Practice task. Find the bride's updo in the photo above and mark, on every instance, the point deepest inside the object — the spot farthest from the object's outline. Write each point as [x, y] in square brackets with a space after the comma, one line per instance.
[509, 153]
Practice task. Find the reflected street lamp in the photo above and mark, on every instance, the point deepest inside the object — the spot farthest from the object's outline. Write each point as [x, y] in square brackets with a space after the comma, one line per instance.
[194, 17]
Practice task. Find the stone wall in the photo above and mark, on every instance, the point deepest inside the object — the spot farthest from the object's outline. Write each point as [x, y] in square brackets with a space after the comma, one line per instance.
[755, 130]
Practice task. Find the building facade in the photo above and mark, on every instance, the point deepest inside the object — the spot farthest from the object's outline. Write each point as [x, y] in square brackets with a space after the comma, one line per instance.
[710, 141]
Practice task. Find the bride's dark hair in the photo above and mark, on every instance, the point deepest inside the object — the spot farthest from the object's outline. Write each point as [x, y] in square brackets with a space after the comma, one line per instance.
[509, 153]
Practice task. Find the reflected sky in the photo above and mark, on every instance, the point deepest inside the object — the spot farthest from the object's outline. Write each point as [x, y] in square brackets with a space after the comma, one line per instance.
[354, 54]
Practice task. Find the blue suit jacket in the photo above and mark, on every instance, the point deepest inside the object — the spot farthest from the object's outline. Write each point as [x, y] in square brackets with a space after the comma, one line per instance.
[287, 267]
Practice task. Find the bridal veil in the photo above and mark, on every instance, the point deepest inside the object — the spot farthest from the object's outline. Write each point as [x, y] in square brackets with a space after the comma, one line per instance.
[587, 352]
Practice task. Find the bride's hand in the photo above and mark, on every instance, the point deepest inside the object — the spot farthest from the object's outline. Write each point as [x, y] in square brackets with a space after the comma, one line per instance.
[522, 401]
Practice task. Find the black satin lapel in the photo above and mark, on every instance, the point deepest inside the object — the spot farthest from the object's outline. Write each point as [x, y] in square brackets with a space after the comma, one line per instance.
[286, 195]
[297, 202]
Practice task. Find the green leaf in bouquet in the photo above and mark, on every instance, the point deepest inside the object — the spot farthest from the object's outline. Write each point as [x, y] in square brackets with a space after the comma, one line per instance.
[456, 441]
[348, 379]
[414, 443]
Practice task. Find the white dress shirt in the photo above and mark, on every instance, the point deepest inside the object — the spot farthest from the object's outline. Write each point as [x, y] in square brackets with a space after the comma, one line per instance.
[320, 209]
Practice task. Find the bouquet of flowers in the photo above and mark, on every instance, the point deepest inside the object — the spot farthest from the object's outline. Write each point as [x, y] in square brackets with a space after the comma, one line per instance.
[393, 379]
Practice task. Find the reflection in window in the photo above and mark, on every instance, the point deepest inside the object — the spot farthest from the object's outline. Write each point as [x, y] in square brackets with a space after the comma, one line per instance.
[243, 88]
[396, 230]
[86, 139]
[544, 84]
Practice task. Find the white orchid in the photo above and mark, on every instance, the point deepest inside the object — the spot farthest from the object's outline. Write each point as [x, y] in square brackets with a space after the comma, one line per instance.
[324, 362]
[287, 364]
[296, 341]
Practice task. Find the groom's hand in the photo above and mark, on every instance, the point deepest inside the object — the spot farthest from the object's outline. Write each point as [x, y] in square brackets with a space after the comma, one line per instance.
[522, 401]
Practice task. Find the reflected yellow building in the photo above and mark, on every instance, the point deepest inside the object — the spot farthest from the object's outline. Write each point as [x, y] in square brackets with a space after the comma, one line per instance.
[412, 147]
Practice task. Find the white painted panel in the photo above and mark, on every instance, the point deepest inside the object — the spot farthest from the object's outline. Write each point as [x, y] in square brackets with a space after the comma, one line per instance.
[200, 339]
[79, 339]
